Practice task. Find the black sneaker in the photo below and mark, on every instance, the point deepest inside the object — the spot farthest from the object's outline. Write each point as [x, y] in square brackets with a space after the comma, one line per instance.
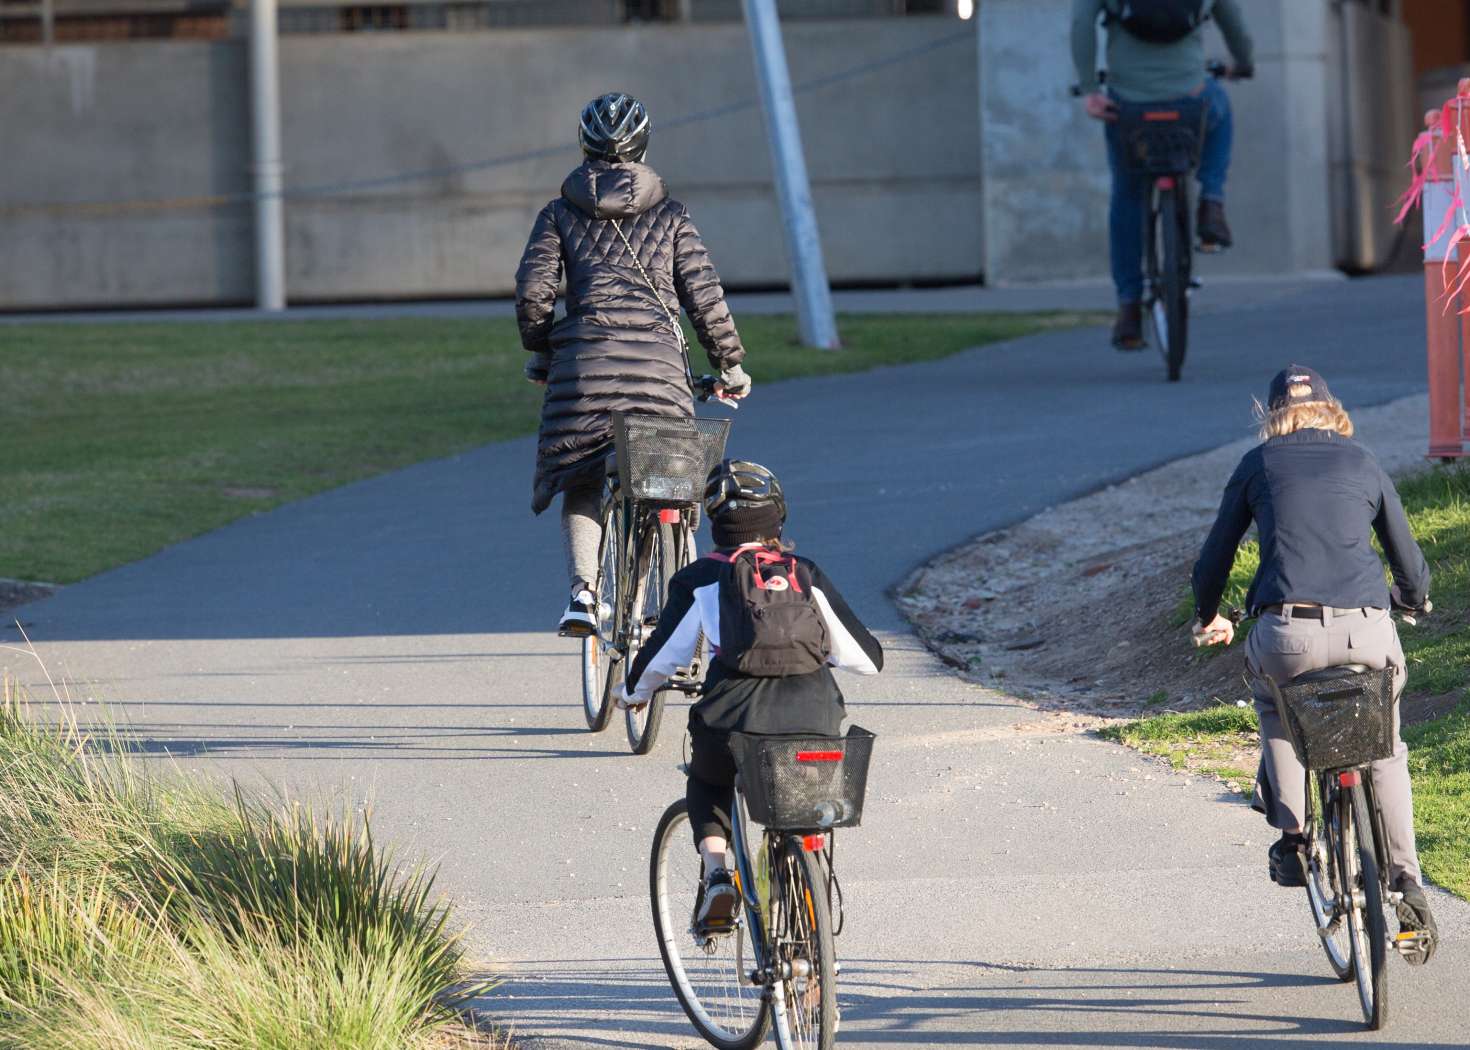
[718, 902]
[1210, 225]
[1128, 327]
[580, 619]
[1286, 860]
[1418, 933]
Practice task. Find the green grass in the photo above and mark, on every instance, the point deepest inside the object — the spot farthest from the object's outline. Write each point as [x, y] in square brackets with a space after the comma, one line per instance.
[142, 911]
[1208, 742]
[122, 439]
[1438, 652]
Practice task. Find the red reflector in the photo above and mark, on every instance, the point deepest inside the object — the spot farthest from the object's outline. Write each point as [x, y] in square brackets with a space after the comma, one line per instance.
[1166, 182]
[669, 516]
[813, 843]
[1161, 114]
[819, 756]
[1351, 779]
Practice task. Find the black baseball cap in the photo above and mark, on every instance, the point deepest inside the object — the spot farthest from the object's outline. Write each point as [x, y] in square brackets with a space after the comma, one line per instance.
[1296, 375]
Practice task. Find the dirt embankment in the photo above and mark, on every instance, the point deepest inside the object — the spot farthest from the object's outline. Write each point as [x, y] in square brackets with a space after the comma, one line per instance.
[1085, 607]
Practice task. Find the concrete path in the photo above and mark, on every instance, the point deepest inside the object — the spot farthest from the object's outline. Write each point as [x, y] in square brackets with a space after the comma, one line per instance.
[1011, 885]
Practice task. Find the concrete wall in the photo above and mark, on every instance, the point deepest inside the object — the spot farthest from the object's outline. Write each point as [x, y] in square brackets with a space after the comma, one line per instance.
[1046, 177]
[893, 155]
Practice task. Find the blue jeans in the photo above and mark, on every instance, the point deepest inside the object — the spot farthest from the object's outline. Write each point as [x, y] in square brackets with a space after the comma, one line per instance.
[1130, 191]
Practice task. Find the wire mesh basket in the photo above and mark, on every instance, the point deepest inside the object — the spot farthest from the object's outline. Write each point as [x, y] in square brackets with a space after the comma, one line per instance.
[1338, 723]
[666, 459]
[1162, 139]
[804, 783]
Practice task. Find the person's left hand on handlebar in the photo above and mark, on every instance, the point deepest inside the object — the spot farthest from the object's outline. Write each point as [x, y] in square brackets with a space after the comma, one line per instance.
[734, 383]
[1217, 631]
[1099, 106]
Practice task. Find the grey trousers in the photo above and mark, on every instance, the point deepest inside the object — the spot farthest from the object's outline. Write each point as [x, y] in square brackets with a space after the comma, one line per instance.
[1283, 647]
[581, 530]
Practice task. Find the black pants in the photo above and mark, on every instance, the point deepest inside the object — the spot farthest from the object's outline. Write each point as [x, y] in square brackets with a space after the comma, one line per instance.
[711, 789]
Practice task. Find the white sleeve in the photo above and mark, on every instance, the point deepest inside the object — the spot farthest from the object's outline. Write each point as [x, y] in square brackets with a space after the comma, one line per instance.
[847, 654]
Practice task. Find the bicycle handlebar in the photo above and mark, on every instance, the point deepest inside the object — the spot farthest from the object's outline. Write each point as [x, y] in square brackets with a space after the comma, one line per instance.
[705, 387]
[1216, 68]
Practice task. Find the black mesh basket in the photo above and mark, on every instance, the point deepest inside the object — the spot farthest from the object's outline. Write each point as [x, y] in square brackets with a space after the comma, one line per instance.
[1340, 722]
[804, 783]
[666, 459]
[1161, 139]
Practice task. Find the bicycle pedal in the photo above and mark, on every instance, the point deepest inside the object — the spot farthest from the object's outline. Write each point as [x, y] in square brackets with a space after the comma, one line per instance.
[1195, 284]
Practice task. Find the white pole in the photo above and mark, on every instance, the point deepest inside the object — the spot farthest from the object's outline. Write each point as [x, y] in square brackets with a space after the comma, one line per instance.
[265, 112]
[814, 317]
[48, 22]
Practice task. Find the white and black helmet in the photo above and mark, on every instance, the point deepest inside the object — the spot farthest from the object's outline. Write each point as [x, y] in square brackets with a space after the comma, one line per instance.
[614, 127]
[737, 485]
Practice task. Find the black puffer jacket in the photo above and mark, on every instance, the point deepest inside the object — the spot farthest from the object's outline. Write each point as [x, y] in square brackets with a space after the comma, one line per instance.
[615, 349]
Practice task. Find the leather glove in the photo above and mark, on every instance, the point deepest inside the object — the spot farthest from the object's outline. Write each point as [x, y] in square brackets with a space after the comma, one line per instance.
[538, 366]
[735, 381]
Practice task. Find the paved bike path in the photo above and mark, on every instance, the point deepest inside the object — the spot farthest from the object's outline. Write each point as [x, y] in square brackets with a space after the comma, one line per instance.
[1011, 886]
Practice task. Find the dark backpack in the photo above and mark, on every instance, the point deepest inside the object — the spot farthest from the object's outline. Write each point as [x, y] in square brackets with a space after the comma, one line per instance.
[1158, 21]
[770, 624]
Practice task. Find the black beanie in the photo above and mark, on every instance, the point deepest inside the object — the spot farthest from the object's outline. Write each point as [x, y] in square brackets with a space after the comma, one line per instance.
[738, 525]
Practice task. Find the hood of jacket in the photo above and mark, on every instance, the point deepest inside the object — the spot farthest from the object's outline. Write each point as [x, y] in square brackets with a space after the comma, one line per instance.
[613, 191]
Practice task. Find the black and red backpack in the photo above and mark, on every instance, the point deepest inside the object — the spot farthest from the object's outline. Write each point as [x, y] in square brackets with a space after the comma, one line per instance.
[770, 623]
[1158, 21]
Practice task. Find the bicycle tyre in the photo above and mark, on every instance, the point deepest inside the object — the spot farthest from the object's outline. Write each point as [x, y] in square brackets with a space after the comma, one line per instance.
[597, 705]
[653, 591]
[737, 1022]
[1324, 879]
[1174, 276]
[1367, 924]
[807, 1018]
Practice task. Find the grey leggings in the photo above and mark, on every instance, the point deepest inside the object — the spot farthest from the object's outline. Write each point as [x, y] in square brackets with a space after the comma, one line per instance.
[1284, 647]
[581, 530]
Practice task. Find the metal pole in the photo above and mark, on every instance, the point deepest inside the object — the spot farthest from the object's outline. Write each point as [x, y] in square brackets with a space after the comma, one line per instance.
[814, 317]
[265, 113]
[48, 22]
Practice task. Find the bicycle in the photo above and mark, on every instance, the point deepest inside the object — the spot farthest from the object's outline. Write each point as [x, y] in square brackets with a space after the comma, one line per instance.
[773, 965]
[1162, 141]
[1339, 721]
[650, 511]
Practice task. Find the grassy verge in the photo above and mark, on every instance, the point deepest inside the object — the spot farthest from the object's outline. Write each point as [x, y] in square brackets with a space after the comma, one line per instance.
[123, 439]
[140, 911]
[1438, 652]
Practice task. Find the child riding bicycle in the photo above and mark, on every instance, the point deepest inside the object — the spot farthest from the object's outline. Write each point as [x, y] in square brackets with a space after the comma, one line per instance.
[631, 257]
[776, 625]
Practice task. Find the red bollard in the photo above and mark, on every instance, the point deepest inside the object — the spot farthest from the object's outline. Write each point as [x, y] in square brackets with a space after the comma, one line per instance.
[1443, 321]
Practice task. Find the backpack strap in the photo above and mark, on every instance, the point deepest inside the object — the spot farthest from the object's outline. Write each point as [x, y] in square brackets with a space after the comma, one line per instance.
[762, 555]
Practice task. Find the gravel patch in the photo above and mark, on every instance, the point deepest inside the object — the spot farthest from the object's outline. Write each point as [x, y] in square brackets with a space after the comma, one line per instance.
[1080, 608]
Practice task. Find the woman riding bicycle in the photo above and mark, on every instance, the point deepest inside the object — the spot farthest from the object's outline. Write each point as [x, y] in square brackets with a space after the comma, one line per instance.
[787, 688]
[628, 252]
[1317, 498]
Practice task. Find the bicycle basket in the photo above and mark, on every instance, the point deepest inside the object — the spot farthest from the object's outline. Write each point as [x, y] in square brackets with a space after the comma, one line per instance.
[666, 459]
[1340, 722]
[1161, 139]
[804, 783]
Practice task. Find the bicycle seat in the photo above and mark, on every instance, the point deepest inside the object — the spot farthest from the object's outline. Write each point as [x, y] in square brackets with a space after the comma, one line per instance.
[1329, 674]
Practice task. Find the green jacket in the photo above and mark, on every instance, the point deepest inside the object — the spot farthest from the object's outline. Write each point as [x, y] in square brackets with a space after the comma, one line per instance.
[1142, 72]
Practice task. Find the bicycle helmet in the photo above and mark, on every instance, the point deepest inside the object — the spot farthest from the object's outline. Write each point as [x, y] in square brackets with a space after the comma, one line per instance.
[738, 485]
[614, 127]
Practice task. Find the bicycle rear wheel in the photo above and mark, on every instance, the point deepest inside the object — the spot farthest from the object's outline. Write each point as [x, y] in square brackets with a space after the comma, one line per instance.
[1324, 879]
[1366, 923]
[806, 1015]
[1171, 309]
[659, 565]
[710, 974]
[597, 704]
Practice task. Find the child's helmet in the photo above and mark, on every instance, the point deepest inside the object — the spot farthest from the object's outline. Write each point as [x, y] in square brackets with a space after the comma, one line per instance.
[737, 485]
[614, 127]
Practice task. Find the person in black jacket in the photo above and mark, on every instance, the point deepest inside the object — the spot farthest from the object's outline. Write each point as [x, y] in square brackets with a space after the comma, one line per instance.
[631, 258]
[1317, 499]
[747, 512]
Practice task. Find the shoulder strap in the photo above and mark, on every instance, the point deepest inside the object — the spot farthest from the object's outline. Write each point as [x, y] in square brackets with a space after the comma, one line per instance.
[673, 317]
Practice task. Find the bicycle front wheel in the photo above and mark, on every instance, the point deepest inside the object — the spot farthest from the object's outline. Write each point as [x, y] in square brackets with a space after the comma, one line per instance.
[1325, 894]
[1366, 922]
[597, 660]
[710, 973]
[1171, 310]
[806, 1014]
[660, 562]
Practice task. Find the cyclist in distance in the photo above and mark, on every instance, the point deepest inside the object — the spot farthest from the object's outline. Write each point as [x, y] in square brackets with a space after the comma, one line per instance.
[631, 257]
[1155, 53]
[1317, 498]
[771, 671]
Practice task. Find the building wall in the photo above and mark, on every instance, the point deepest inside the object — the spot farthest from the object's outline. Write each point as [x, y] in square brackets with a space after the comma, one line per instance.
[893, 156]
